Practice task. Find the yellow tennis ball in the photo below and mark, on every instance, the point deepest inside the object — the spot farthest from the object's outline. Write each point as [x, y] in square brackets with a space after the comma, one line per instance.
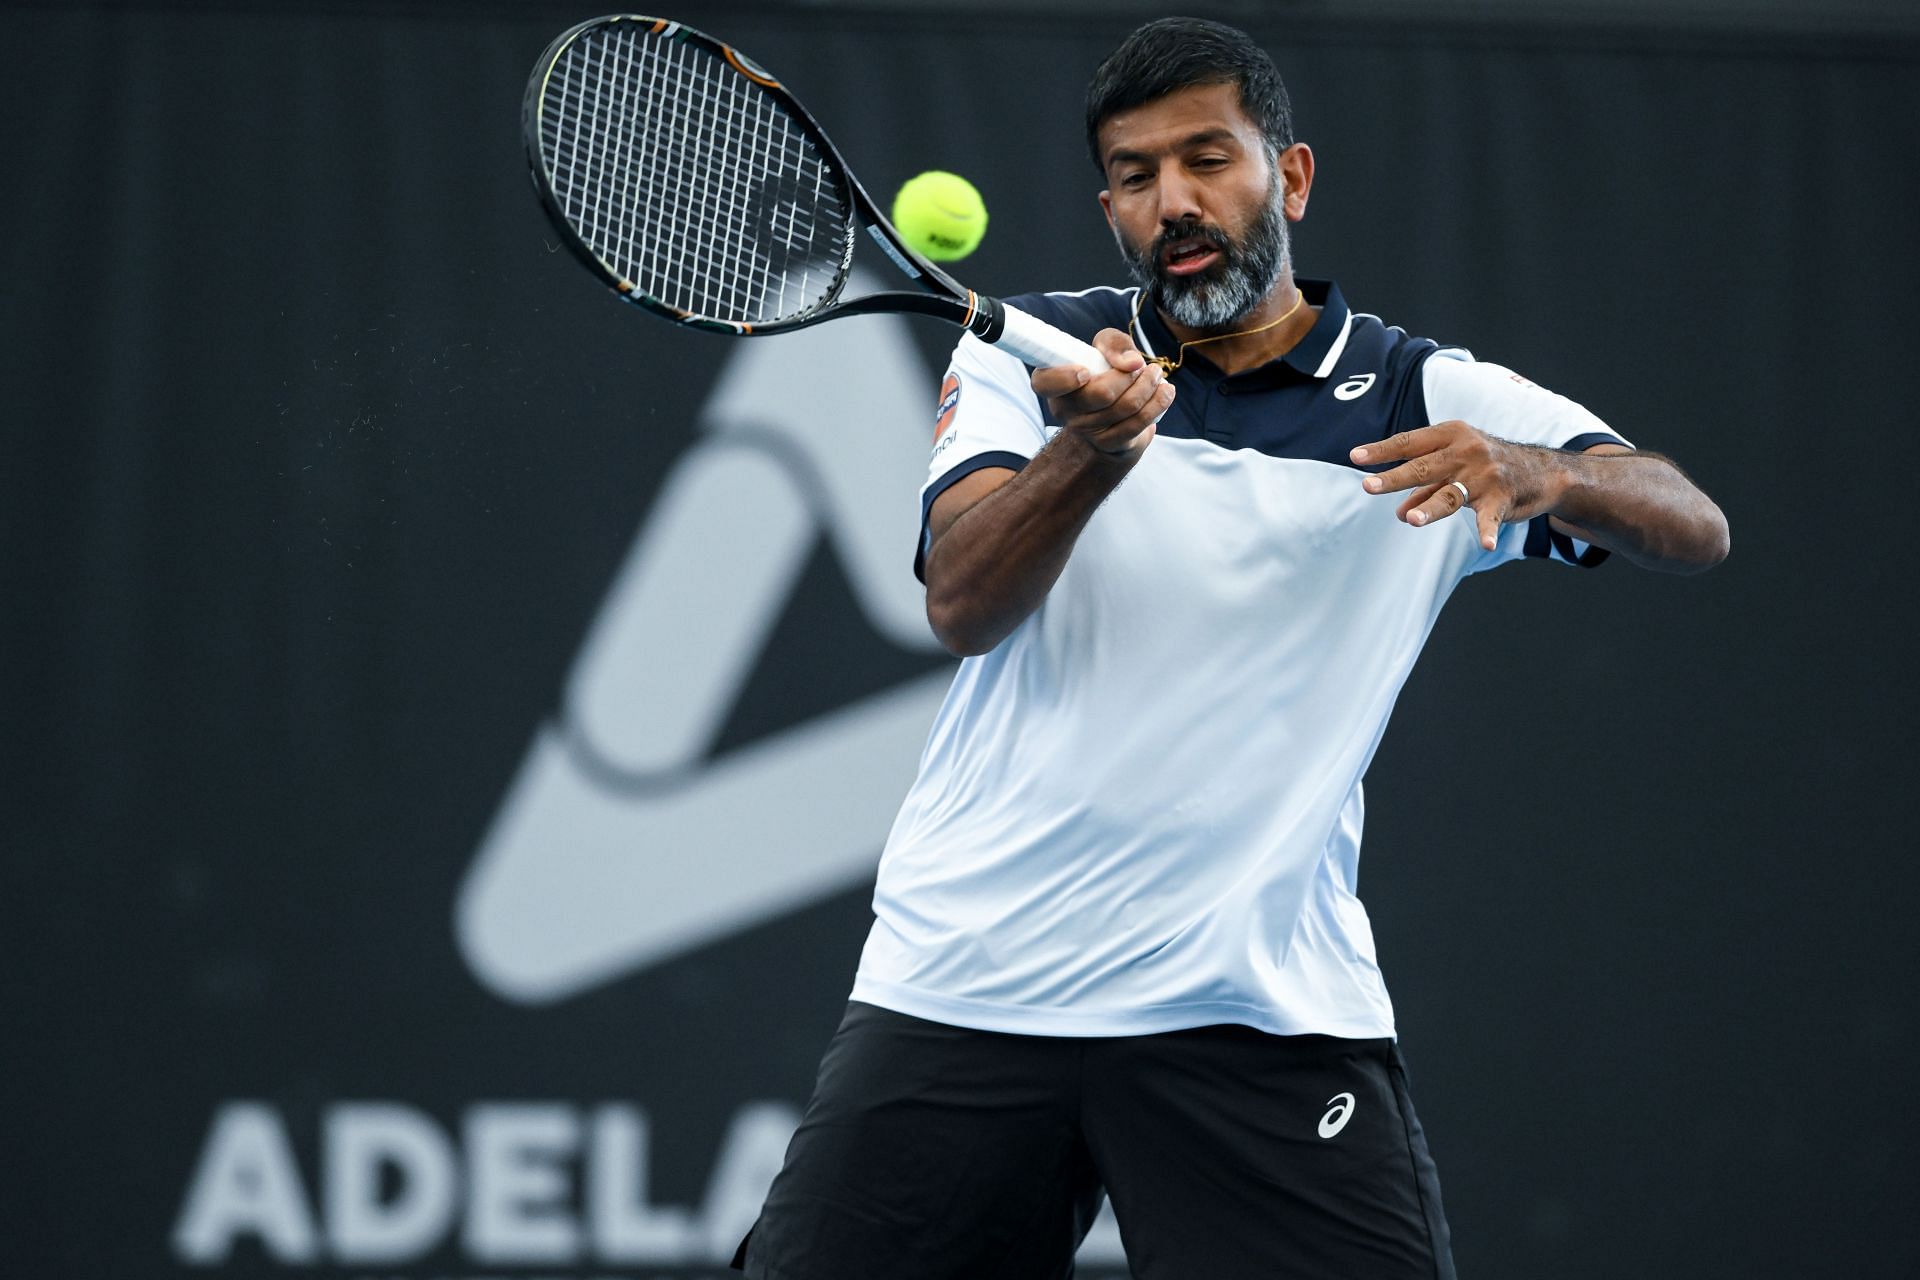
[941, 215]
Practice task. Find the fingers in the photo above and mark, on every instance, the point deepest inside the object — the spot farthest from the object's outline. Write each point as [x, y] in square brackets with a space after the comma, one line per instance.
[1066, 379]
[1441, 465]
[1119, 350]
[1438, 501]
[1407, 444]
[1489, 526]
[1126, 425]
[1414, 499]
[1442, 501]
[1059, 380]
[1427, 469]
[1114, 410]
[1145, 389]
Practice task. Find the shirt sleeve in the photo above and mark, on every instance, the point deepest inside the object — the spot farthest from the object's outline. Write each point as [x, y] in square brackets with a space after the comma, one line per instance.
[1503, 404]
[988, 416]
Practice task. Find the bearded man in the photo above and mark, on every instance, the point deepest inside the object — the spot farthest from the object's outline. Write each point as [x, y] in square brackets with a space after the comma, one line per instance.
[1117, 948]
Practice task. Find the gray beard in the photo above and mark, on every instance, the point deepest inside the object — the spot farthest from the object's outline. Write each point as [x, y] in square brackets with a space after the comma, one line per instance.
[1220, 296]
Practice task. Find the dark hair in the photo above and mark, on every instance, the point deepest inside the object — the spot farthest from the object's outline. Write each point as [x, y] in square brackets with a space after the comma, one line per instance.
[1177, 53]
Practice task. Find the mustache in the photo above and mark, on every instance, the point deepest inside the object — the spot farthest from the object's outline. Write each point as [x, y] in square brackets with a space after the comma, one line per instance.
[1179, 231]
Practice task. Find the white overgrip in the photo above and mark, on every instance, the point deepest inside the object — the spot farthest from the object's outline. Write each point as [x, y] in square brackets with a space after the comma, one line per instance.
[1043, 346]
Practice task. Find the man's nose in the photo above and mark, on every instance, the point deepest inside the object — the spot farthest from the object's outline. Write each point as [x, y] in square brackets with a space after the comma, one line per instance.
[1179, 198]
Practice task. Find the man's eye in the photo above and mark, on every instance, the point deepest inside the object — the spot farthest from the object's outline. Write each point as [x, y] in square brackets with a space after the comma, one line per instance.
[1133, 180]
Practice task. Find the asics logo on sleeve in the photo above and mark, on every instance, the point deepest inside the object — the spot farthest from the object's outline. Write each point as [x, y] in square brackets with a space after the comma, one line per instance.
[1339, 1111]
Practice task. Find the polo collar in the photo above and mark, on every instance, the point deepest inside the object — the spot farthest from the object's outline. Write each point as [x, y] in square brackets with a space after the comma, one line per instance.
[1315, 354]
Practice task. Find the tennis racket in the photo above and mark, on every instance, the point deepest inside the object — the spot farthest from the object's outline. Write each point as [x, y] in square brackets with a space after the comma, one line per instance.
[693, 184]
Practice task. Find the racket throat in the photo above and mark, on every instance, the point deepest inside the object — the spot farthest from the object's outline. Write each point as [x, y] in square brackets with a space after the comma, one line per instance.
[900, 260]
[980, 315]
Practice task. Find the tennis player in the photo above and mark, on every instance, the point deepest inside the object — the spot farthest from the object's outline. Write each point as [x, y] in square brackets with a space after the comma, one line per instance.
[1117, 946]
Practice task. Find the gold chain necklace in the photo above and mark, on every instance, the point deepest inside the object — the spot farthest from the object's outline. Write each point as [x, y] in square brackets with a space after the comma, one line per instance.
[1169, 366]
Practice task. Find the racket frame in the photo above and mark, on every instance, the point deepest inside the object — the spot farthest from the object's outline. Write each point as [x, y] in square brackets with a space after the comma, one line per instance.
[943, 297]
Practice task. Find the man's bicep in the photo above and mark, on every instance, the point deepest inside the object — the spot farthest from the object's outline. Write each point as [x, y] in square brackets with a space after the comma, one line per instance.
[959, 497]
[988, 421]
[1573, 530]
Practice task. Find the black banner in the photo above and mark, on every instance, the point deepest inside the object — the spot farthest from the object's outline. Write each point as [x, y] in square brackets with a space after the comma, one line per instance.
[452, 718]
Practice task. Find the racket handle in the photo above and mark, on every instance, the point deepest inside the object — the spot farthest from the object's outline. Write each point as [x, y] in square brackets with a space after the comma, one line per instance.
[1041, 345]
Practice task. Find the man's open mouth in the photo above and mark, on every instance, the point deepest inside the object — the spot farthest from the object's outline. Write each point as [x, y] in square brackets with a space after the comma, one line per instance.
[1185, 257]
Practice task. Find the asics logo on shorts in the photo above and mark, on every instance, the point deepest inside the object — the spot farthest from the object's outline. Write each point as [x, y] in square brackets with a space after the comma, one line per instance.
[1339, 1111]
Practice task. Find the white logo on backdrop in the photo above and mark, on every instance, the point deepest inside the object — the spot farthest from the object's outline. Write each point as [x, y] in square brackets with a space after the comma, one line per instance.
[624, 841]
[513, 1183]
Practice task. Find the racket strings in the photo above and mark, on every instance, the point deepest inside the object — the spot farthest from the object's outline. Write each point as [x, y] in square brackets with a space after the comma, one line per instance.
[721, 209]
[689, 181]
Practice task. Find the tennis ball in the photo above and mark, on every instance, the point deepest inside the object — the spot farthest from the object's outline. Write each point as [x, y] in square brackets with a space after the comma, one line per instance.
[940, 215]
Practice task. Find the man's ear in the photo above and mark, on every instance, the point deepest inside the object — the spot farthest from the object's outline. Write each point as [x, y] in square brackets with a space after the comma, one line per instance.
[1106, 206]
[1296, 175]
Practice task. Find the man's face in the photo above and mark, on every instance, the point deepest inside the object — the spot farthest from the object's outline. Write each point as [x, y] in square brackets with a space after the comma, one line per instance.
[1197, 208]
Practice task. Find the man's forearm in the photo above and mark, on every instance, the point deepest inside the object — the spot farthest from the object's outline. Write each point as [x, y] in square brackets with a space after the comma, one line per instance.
[997, 562]
[1640, 506]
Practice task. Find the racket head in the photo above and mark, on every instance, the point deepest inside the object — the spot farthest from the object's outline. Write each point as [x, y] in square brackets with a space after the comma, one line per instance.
[687, 177]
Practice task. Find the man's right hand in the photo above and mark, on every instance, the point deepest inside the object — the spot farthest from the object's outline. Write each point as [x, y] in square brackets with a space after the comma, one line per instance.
[998, 538]
[1113, 412]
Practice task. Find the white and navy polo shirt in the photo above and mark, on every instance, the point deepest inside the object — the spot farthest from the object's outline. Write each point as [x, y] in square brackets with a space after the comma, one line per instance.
[1142, 810]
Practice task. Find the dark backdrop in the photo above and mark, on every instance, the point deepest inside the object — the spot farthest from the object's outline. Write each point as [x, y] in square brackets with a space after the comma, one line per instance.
[320, 464]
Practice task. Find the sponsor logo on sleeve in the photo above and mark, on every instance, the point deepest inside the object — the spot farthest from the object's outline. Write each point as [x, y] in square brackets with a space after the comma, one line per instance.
[943, 432]
[949, 404]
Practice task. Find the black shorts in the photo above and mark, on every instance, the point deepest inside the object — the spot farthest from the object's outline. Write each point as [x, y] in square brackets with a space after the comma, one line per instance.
[932, 1152]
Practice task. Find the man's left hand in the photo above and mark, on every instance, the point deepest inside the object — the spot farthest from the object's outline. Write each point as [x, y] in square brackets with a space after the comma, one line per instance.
[1502, 482]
